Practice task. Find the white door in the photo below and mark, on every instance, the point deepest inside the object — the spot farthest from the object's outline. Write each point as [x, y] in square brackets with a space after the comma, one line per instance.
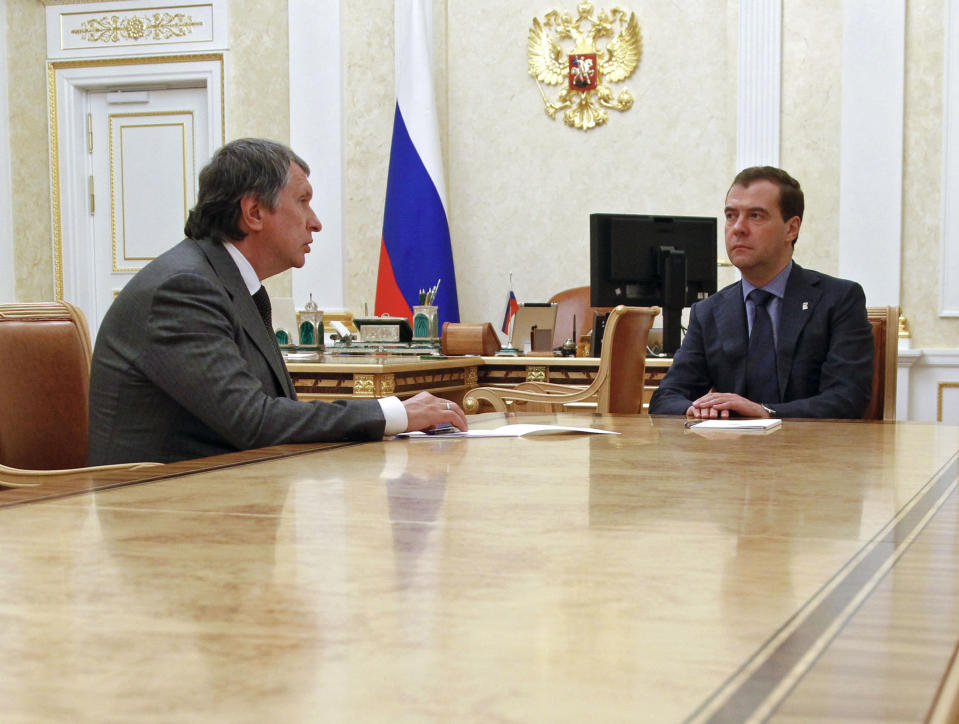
[145, 148]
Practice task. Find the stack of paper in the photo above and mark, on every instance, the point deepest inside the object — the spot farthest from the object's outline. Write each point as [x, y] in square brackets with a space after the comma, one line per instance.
[758, 424]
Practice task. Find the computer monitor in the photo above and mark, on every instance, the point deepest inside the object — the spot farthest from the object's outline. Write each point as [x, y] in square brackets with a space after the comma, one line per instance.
[645, 260]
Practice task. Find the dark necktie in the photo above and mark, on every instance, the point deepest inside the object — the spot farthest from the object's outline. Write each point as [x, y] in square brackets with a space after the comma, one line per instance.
[262, 301]
[761, 383]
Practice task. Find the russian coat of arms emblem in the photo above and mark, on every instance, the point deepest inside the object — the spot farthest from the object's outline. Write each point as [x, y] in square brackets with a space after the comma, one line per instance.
[589, 68]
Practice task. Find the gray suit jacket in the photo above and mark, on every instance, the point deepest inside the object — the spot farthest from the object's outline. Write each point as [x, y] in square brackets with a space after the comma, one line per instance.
[824, 350]
[183, 367]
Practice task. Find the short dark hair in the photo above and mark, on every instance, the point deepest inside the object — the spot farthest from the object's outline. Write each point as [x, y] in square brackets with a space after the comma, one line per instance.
[791, 200]
[242, 167]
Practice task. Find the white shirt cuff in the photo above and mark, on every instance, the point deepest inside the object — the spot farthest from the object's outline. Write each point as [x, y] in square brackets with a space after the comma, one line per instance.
[395, 414]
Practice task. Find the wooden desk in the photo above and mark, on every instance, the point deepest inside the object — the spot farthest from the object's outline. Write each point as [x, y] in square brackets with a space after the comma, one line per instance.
[558, 370]
[337, 377]
[809, 574]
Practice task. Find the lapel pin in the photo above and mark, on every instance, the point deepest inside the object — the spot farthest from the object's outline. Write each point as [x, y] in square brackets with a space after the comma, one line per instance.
[805, 306]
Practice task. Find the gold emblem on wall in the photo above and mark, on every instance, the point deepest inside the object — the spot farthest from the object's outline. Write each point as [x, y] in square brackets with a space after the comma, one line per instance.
[113, 29]
[587, 68]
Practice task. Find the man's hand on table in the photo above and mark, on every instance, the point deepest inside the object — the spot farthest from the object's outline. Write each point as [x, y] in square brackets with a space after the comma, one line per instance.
[424, 411]
[715, 405]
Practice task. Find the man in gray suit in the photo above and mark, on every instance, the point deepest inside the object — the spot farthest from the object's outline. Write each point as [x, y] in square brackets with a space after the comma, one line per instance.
[185, 363]
[782, 342]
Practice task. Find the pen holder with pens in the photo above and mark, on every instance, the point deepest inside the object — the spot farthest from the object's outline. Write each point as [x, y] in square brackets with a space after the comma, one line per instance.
[425, 322]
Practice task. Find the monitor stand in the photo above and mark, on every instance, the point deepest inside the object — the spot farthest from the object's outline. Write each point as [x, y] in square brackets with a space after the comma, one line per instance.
[674, 296]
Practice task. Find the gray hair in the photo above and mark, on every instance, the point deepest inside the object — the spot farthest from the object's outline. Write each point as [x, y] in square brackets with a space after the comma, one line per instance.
[246, 166]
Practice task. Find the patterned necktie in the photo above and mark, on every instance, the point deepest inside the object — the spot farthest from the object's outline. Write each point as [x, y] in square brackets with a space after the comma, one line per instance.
[761, 380]
[262, 301]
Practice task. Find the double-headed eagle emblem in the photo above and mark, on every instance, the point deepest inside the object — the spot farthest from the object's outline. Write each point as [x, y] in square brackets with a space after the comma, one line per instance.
[587, 69]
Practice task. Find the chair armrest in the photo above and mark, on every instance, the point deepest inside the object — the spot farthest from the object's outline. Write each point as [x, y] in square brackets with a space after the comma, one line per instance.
[498, 397]
[547, 387]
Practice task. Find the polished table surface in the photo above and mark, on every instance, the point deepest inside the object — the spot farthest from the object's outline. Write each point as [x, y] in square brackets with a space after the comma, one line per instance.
[807, 574]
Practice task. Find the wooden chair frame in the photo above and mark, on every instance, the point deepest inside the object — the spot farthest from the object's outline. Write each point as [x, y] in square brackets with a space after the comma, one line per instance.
[885, 321]
[551, 394]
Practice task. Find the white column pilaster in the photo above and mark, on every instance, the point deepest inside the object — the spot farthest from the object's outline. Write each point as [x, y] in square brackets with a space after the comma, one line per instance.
[759, 82]
[949, 266]
[316, 134]
[871, 144]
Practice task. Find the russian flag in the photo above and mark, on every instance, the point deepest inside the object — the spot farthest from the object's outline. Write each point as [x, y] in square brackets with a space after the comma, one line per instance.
[415, 252]
[511, 306]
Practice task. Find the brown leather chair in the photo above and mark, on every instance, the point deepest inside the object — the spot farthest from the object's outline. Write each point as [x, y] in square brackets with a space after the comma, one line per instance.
[570, 303]
[45, 358]
[885, 334]
[618, 385]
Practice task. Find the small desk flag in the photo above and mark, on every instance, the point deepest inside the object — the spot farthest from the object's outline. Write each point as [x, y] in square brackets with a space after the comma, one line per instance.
[415, 251]
[511, 306]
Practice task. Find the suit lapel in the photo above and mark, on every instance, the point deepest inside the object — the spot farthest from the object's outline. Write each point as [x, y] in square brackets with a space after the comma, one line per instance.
[246, 312]
[734, 332]
[796, 310]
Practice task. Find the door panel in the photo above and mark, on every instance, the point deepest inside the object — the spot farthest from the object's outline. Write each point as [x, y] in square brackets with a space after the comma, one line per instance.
[144, 166]
[149, 208]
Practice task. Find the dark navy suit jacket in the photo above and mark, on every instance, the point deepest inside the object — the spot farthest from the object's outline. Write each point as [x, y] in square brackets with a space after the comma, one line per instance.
[824, 350]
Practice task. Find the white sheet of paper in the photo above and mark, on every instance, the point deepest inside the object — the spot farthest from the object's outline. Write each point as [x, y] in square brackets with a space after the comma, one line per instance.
[513, 431]
[758, 424]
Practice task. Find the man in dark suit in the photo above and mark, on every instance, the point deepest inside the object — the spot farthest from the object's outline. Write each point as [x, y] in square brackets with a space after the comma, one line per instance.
[782, 342]
[185, 363]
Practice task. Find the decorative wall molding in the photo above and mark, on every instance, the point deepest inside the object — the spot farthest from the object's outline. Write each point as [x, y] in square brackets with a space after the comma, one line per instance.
[949, 254]
[928, 385]
[316, 134]
[758, 97]
[940, 358]
[947, 402]
[905, 361]
[870, 148]
[7, 267]
[136, 27]
[67, 83]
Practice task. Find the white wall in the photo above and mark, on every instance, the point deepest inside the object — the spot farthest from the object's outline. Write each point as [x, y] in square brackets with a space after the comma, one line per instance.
[7, 266]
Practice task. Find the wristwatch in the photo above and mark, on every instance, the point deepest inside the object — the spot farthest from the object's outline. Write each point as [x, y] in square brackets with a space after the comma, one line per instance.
[771, 412]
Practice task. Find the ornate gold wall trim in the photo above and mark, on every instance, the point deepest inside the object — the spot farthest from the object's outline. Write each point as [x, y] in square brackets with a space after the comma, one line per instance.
[85, 29]
[54, 150]
[54, 135]
[939, 391]
[114, 29]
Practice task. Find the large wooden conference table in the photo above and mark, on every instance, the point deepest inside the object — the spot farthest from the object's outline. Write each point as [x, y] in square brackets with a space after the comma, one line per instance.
[662, 575]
